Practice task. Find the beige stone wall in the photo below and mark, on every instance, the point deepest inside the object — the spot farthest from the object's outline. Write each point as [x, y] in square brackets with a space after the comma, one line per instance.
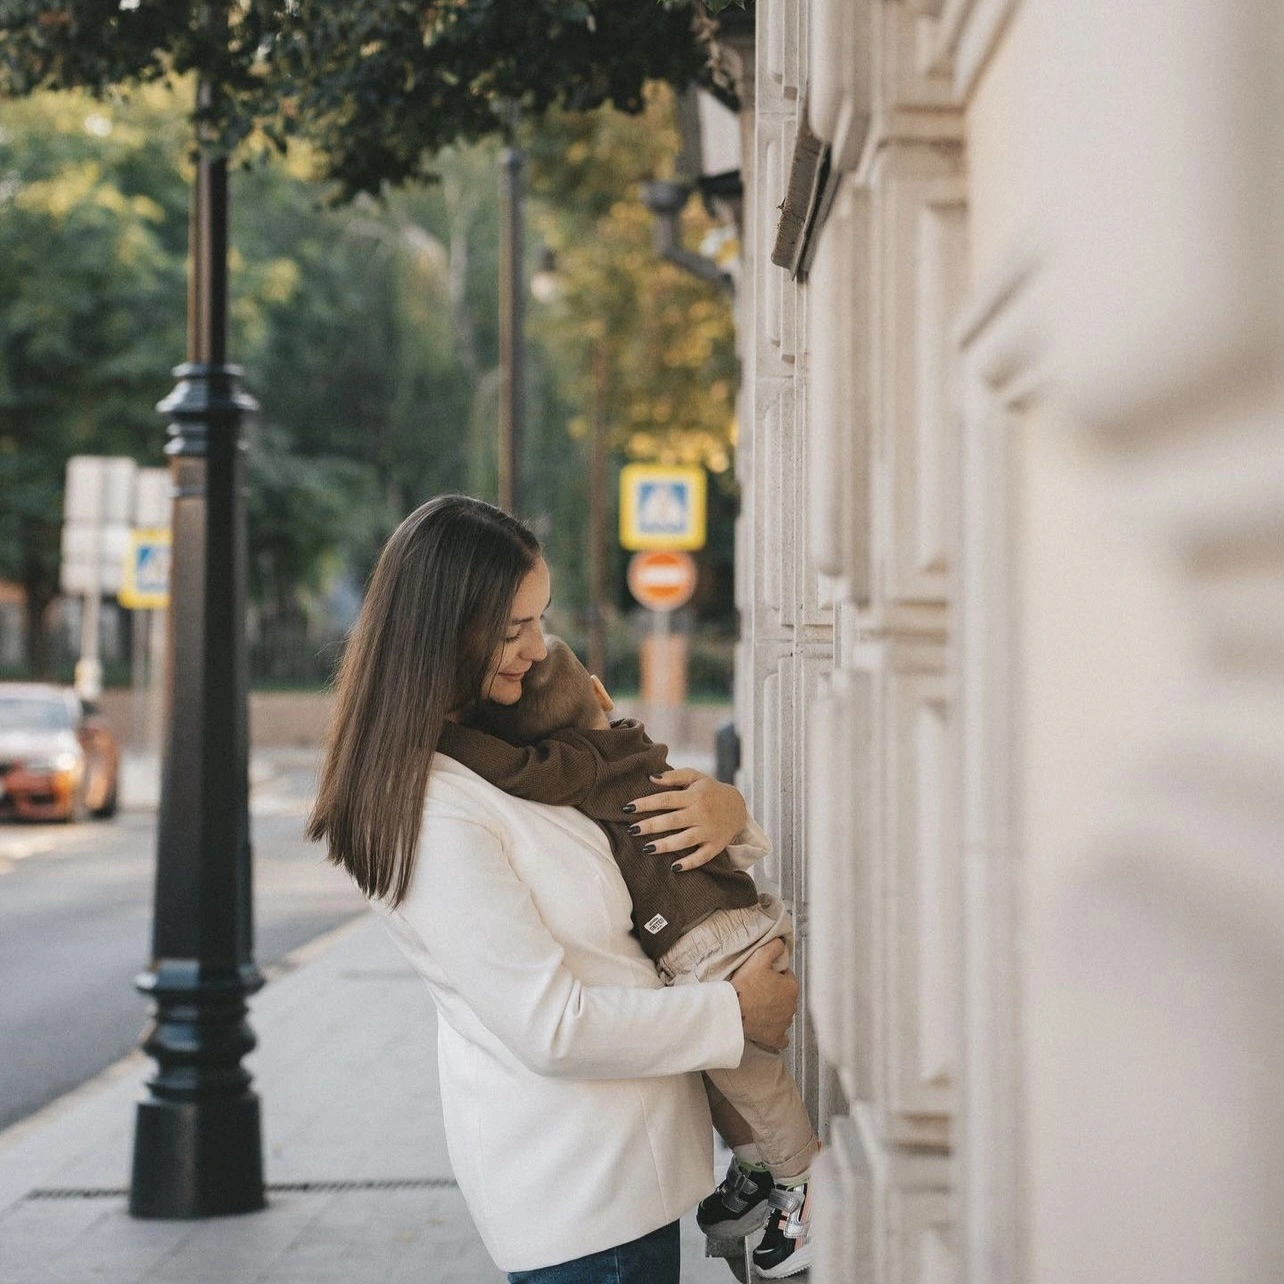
[1013, 582]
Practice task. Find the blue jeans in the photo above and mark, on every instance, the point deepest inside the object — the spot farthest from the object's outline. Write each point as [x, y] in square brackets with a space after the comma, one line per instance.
[653, 1259]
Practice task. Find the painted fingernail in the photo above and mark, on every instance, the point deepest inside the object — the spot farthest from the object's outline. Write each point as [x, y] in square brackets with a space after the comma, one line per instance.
[628, 807]
[635, 829]
[648, 849]
[676, 867]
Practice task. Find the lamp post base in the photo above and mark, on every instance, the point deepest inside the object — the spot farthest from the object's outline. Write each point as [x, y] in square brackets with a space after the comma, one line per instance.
[197, 1160]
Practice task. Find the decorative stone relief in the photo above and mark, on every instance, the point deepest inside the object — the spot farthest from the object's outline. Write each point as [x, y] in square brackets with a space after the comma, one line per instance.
[920, 245]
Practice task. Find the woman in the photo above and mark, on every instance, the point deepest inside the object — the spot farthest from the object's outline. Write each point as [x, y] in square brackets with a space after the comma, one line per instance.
[577, 1128]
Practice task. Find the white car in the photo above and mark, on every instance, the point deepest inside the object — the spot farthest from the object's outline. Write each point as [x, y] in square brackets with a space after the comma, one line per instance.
[58, 759]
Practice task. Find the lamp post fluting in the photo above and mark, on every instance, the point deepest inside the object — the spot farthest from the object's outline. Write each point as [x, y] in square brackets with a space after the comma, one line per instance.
[512, 289]
[197, 1137]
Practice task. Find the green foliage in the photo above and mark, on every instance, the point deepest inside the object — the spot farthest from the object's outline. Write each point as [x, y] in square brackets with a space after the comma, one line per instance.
[630, 338]
[302, 513]
[380, 87]
[655, 344]
[366, 333]
[91, 296]
[715, 7]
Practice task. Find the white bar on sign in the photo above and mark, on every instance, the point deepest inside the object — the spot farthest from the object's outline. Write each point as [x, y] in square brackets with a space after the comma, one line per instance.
[99, 489]
[118, 490]
[115, 548]
[152, 499]
[83, 496]
[663, 577]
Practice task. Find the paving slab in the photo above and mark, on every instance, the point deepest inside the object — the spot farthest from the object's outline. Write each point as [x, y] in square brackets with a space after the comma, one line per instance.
[360, 1185]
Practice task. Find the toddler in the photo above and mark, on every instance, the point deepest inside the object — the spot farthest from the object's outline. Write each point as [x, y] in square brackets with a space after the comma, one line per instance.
[556, 745]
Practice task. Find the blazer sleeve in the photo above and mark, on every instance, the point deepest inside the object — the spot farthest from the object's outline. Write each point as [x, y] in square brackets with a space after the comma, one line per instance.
[477, 922]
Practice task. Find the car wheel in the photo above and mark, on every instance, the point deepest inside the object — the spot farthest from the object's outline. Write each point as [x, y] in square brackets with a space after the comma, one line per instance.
[111, 804]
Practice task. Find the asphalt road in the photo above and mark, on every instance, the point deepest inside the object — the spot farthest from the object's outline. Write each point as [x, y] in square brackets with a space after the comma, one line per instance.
[75, 929]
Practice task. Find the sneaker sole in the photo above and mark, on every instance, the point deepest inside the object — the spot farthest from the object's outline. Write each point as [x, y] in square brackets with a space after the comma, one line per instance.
[743, 1225]
[792, 1265]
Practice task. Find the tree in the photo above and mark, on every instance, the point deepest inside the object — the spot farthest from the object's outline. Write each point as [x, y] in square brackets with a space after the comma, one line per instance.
[366, 331]
[670, 337]
[389, 91]
[342, 316]
[632, 338]
[381, 87]
[90, 313]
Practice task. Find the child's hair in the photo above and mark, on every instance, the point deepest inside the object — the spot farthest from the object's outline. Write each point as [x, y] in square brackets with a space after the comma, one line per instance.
[557, 692]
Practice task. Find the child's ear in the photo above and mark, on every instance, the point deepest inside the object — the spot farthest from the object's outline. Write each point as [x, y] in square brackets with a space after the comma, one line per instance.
[604, 701]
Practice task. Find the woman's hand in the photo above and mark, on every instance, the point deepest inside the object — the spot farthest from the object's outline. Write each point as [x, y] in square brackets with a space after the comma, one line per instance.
[768, 996]
[699, 812]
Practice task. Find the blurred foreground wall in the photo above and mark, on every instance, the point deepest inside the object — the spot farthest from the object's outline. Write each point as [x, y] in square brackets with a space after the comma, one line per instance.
[1011, 684]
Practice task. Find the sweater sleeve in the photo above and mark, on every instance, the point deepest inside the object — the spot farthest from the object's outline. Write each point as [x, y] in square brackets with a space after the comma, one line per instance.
[476, 920]
[749, 846]
[561, 772]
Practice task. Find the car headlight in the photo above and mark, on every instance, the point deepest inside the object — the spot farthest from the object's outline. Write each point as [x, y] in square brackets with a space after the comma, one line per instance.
[65, 761]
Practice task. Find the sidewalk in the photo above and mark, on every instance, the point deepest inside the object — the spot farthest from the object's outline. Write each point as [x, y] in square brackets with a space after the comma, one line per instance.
[140, 773]
[360, 1188]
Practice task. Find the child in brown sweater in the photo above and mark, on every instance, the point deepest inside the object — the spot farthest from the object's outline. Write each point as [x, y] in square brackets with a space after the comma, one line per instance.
[556, 745]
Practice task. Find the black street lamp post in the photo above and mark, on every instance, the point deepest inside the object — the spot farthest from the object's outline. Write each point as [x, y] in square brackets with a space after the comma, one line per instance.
[197, 1137]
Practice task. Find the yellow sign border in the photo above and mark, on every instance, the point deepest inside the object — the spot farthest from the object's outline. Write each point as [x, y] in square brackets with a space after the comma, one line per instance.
[637, 541]
[129, 597]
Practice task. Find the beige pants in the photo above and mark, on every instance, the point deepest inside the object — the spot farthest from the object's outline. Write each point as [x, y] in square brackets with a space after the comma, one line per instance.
[760, 1088]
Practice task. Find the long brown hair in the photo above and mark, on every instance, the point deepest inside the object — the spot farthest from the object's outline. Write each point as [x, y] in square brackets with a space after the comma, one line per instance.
[436, 610]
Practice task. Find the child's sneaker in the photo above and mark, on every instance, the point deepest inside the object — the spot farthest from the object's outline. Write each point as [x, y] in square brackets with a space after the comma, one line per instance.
[739, 1205]
[785, 1248]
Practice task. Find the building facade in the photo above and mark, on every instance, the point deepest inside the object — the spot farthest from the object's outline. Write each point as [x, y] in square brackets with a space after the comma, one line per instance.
[1011, 575]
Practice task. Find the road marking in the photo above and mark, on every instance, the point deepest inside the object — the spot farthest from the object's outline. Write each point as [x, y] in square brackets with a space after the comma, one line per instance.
[40, 842]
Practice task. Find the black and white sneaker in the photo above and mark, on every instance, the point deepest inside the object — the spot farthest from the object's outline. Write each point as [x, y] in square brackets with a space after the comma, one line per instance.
[785, 1248]
[739, 1205]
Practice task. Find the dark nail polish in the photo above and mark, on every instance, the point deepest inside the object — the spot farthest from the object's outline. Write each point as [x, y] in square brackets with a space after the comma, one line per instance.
[676, 867]
[635, 829]
[628, 807]
[648, 849]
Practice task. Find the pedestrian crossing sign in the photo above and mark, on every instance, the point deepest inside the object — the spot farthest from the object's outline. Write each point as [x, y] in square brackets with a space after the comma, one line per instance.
[145, 584]
[662, 506]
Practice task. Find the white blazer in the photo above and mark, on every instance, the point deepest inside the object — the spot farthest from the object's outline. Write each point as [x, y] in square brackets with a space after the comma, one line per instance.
[574, 1119]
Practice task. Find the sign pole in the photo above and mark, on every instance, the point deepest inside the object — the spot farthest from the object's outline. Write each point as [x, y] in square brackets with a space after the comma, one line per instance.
[663, 581]
[156, 680]
[89, 671]
[662, 514]
[96, 503]
[140, 639]
[145, 592]
[88, 678]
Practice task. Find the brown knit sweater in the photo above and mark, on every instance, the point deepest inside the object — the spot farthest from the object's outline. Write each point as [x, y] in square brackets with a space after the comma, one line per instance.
[597, 772]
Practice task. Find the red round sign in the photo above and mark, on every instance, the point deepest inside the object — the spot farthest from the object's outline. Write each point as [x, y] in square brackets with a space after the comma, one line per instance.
[662, 580]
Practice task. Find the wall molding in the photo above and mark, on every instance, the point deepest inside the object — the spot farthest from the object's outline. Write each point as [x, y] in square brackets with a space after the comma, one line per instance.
[998, 344]
[962, 38]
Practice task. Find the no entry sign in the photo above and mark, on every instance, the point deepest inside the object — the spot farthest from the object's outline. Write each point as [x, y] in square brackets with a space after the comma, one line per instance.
[662, 580]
